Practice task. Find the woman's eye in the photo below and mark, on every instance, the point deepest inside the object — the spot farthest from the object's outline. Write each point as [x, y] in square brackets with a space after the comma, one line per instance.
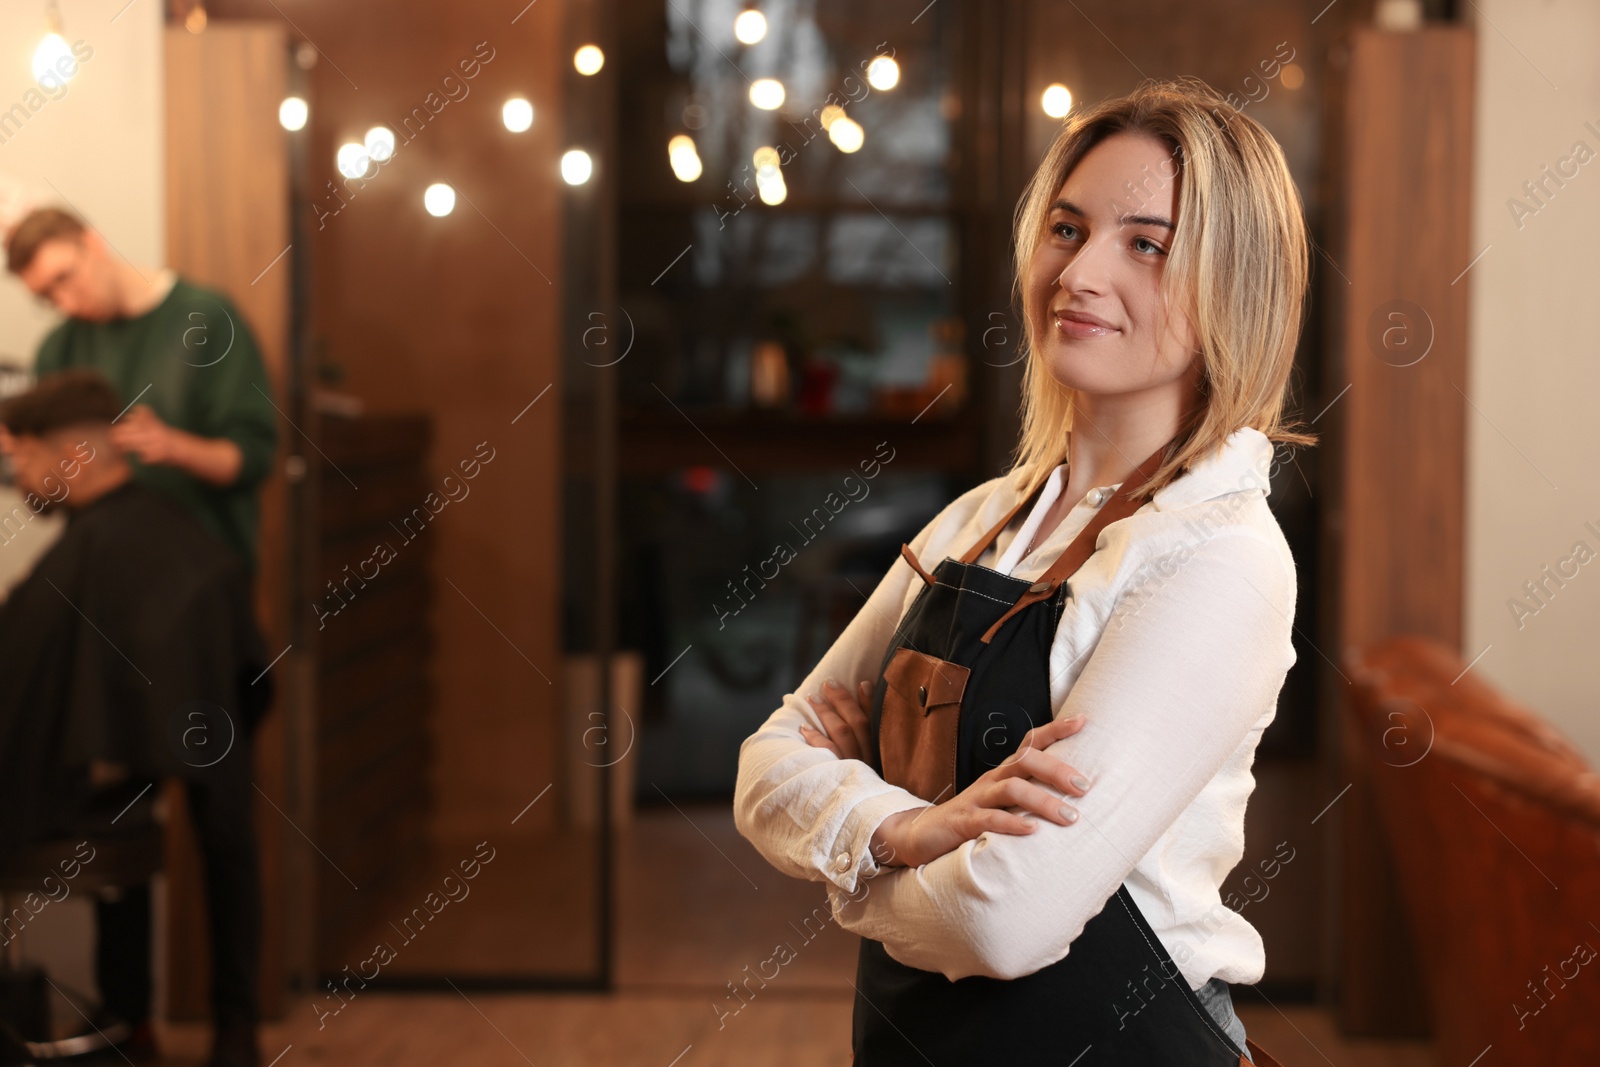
[1149, 246]
[1058, 227]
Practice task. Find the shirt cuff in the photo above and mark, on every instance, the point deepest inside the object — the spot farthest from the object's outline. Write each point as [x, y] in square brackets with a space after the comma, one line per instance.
[850, 859]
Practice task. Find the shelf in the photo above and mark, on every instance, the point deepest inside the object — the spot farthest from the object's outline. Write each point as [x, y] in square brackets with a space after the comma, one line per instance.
[656, 443]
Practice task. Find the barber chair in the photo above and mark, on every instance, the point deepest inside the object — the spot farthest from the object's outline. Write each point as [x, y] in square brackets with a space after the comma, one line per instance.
[114, 844]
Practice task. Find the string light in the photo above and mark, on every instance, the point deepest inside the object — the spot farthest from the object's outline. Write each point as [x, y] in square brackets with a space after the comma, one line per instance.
[1056, 101]
[589, 59]
[750, 26]
[684, 157]
[517, 114]
[883, 73]
[846, 134]
[380, 144]
[576, 166]
[292, 113]
[53, 57]
[439, 199]
[767, 93]
[352, 160]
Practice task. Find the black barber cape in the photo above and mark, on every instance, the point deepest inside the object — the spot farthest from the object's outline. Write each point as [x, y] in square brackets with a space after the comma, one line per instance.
[133, 641]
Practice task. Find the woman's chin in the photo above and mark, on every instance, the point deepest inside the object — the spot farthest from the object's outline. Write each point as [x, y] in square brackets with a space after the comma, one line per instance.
[1076, 366]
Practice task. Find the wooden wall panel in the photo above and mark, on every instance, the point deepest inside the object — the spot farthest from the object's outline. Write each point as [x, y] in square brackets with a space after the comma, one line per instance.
[227, 222]
[458, 317]
[1398, 436]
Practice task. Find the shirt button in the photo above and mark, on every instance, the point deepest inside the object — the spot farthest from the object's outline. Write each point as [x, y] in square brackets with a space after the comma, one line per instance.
[1096, 497]
[842, 864]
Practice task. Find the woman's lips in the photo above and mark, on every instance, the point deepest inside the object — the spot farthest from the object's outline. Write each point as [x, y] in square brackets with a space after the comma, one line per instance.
[1069, 326]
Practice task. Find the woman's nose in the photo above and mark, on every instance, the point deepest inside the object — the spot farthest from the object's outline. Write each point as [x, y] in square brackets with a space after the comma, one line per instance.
[1087, 271]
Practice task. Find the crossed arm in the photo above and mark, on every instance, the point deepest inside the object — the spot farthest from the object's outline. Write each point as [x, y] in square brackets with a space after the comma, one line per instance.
[1168, 695]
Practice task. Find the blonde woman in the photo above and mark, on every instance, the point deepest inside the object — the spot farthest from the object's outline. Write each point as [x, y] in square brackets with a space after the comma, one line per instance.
[1022, 769]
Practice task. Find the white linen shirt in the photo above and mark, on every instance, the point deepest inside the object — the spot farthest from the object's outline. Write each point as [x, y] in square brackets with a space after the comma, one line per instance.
[1174, 645]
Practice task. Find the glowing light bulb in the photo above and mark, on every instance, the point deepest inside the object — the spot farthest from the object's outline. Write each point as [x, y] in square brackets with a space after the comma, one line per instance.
[439, 199]
[380, 144]
[1056, 101]
[53, 59]
[846, 134]
[772, 189]
[576, 166]
[883, 73]
[750, 26]
[517, 114]
[589, 59]
[352, 160]
[767, 93]
[292, 113]
[685, 159]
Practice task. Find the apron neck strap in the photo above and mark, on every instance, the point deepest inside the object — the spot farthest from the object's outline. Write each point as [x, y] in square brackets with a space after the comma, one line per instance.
[1116, 508]
[1120, 506]
[987, 539]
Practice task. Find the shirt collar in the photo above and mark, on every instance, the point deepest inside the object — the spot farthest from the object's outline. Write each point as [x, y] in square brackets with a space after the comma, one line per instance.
[1243, 462]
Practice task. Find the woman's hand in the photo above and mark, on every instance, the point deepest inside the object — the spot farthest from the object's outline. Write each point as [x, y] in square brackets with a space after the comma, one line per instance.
[913, 838]
[845, 730]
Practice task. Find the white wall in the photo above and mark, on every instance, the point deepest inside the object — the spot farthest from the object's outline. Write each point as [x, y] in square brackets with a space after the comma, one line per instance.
[97, 147]
[1533, 442]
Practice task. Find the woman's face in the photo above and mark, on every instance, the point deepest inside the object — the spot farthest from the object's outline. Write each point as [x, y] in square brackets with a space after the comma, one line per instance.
[1094, 284]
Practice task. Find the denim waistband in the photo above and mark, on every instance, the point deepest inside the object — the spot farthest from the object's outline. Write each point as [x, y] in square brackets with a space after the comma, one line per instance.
[1219, 1002]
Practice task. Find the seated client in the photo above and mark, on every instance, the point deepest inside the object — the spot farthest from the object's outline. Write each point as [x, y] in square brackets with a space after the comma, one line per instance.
[130, 655]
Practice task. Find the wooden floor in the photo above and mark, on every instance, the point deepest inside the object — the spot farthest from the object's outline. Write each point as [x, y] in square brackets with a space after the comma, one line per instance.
[696, 906]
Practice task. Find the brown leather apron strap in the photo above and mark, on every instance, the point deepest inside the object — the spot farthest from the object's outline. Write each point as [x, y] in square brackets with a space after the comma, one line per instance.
[911, 558]
[1257, 1056]
[1119, 506]
[972, 554]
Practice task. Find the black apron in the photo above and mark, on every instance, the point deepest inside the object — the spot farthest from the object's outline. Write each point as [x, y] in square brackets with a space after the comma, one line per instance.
[965, 677]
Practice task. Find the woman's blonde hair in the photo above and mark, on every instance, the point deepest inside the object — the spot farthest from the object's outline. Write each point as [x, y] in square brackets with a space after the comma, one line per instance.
[1238, 262]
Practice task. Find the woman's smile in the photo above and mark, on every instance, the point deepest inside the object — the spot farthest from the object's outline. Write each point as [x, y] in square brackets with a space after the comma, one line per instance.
[1081, 325]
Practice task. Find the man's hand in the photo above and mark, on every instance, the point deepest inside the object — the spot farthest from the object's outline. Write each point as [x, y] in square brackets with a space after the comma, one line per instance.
[215, 460]
[141, 431]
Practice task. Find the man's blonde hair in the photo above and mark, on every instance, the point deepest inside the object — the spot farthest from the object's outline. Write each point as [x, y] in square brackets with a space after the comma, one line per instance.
[1238, 263]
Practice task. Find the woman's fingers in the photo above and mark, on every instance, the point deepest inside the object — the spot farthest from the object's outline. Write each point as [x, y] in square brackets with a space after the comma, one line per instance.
[1042, 737]
[817, 739]
[1032, 763]
[850, 708]
[843, 719]
[835, 724]
[837, 729]
[1031, 796]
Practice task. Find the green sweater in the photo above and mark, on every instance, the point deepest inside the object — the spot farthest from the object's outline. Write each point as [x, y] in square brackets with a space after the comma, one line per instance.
[193, 360]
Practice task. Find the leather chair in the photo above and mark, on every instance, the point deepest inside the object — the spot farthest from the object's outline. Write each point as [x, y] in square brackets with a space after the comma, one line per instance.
[1493, 819]
[117, 843]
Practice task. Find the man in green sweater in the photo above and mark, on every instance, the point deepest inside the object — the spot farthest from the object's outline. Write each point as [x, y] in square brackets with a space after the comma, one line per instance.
[200, 425]
[200, 428]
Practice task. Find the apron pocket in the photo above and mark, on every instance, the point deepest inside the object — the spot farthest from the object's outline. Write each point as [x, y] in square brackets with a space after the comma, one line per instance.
[917, 731]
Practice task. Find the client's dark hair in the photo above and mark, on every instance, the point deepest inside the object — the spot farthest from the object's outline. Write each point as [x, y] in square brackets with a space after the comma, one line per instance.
[69, 398]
